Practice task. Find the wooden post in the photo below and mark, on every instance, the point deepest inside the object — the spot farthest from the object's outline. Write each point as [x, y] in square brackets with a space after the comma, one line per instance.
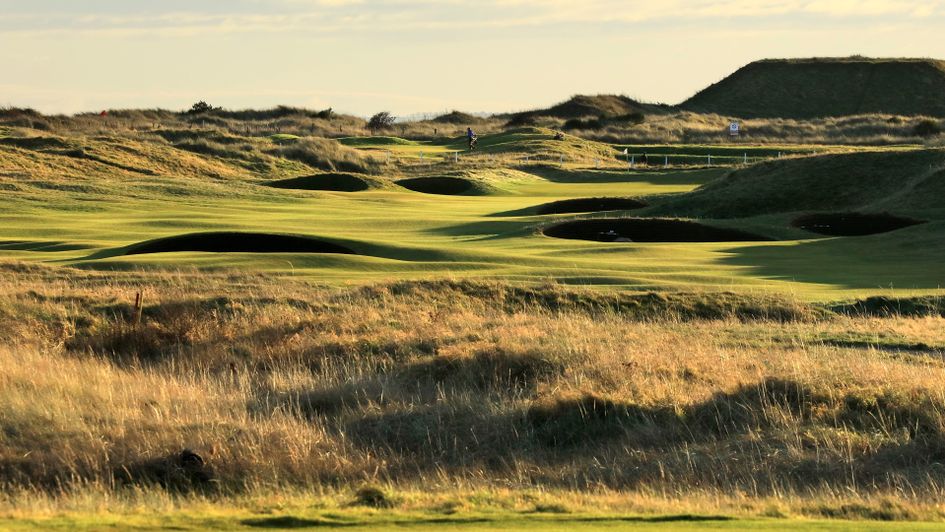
[139, 304]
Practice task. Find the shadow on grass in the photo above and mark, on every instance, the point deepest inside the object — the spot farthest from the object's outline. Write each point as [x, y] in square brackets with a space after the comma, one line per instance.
[576, 205]
[288, 521]
[37, 245]
[291, 522]
[677, 177]
[910, 258]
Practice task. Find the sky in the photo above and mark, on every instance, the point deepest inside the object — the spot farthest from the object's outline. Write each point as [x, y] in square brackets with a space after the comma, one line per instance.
[422, 56]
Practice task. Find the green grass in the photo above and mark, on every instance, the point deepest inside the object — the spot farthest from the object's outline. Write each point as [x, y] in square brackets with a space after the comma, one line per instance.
[81, 212]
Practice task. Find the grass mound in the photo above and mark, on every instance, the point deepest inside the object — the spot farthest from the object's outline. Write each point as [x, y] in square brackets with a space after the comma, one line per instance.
[338, 182]
[588, 419]
[582, 105]
[184, 472]
[372, 496]
[647, 230]
[886, 180]
[372, 141]
[238, 242]
[685, 306]
[590, 205]
[811, 88]
[852, 223]
[882, 306]
[326, 154]
[443, 185]
[540, 144]
[458, 118]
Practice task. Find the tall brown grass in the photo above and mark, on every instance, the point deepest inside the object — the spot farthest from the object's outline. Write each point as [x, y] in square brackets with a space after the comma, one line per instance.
[664, 127]
[281, 385]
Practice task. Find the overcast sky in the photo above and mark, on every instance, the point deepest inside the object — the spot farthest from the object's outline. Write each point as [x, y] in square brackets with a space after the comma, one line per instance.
[411, 56]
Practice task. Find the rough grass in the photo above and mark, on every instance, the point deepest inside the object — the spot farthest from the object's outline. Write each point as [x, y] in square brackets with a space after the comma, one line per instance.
[328, 155]
[282, 385]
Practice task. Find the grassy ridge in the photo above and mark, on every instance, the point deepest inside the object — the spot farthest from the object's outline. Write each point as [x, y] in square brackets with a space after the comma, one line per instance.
[905, 182]
[811, 88]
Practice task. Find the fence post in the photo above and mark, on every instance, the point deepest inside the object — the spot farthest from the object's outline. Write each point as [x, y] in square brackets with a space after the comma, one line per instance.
[710, 159]
[666, 161]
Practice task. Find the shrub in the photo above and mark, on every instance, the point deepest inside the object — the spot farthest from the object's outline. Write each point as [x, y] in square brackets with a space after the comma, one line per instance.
[373, 496]
[200, 108]
[382, 120]
[577, 123]
[522, 120]
[633, 118]
[927, 128]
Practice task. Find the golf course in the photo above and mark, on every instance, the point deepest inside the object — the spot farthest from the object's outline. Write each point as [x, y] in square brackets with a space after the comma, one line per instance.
[599, 315]
[485, 215]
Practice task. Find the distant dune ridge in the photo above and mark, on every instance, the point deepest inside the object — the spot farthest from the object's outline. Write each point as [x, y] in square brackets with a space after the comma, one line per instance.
[823, 87]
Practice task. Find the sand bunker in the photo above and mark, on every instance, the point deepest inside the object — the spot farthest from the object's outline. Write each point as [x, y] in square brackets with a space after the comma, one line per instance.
[852, 223]
[235, 242]
[450, 186]
[647, 230]
[590, 205]
[338, 182]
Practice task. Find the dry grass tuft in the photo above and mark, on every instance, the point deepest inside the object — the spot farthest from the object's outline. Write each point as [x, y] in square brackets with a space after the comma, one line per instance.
[288, 387]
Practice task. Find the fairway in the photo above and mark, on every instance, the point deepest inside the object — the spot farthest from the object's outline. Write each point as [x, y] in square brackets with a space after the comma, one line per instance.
[474, 219]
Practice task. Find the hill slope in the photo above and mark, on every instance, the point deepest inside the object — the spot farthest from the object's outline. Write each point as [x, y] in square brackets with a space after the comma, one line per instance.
[902, 182]
[583, 106]
[810, 88]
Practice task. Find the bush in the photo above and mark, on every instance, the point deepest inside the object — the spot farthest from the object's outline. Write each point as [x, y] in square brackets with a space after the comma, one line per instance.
[382, 120]
[200, 108]
[927, 128]
[372, 496]
[633, 118]
[577, 123]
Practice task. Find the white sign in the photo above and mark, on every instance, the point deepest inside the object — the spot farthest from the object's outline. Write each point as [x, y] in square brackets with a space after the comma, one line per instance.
[733, 129]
